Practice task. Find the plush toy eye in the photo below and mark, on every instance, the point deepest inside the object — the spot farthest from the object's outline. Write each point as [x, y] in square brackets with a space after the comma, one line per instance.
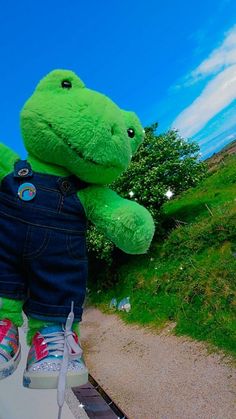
[66, 84]
[131, 132]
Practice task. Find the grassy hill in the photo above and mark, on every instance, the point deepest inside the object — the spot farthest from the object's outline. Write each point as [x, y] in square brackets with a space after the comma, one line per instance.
[189, 279]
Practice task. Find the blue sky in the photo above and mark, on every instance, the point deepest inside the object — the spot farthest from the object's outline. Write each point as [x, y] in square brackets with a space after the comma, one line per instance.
[170, 61]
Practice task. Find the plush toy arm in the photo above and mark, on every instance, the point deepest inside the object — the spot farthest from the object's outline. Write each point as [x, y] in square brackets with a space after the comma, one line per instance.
[129, 225]
[7, 160]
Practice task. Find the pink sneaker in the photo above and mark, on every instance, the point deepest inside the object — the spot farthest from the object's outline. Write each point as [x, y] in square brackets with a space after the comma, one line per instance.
[45, 359]
[55, 360]
[10, 351]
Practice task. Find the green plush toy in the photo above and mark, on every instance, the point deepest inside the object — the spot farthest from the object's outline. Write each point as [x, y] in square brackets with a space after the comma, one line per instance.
[78, 142]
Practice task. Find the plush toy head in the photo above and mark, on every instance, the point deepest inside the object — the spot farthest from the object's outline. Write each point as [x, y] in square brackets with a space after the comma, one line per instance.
[66, 124]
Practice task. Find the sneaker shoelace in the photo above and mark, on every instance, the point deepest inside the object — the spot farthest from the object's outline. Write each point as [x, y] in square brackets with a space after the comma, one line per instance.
[63, 343]
[71, 350]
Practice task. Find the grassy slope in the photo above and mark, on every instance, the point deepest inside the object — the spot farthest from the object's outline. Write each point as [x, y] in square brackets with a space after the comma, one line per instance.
[190, 278]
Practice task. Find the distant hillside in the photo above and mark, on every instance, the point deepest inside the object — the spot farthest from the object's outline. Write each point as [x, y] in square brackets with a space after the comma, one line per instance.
[217, 158]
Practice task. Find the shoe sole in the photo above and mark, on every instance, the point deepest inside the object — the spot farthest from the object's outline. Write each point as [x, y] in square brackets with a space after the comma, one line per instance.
[10, 366]
[49, 380]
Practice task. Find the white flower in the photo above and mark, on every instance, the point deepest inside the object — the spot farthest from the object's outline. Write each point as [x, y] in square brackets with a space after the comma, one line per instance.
[169, 194]
[131, 194]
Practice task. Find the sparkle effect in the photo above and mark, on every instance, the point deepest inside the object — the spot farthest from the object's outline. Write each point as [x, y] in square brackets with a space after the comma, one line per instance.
[169, 194]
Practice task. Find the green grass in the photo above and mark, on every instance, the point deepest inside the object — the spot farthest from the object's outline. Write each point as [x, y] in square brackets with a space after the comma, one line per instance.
[214, 192]
[190, 277]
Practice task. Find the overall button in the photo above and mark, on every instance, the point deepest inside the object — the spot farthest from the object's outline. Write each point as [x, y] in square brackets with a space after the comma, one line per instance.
[65, 186]
[23, 172]
[26, 191]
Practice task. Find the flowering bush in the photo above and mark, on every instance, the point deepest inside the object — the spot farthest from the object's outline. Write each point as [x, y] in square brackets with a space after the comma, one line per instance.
[164, 166]
[98, 246]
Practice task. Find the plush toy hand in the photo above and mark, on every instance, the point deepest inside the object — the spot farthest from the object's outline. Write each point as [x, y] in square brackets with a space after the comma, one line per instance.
[133, 227]
[129, 225]
[7, 160]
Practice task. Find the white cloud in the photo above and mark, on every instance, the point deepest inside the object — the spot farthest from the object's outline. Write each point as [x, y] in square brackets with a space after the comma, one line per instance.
[217, 146]
[218, 93]
[226, 135]
[231, 137]
[223, 124]
[220, 58]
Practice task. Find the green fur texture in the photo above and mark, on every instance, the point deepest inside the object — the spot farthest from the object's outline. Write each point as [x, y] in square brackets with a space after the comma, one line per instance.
[8, 158]
[129, 225]
[12, 310]
[70, 129]
[78, 129]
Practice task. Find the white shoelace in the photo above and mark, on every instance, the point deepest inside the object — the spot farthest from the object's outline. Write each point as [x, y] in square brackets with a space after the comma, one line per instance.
[63, 343]
[71, 350]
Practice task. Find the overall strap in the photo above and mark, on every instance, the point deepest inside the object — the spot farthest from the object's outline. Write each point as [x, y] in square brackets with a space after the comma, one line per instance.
[67, 185]
[22, 169]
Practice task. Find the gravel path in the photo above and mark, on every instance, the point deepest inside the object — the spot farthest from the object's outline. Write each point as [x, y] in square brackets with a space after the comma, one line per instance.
[157, 376]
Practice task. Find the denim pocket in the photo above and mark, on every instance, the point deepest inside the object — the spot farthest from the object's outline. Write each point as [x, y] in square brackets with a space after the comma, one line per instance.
[36, 243]
[76, 246]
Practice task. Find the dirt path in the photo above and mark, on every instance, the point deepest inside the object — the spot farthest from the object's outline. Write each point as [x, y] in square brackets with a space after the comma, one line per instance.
[155, 376]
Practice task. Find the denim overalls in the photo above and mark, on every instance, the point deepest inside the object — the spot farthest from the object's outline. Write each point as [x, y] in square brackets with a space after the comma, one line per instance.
[43, 257]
